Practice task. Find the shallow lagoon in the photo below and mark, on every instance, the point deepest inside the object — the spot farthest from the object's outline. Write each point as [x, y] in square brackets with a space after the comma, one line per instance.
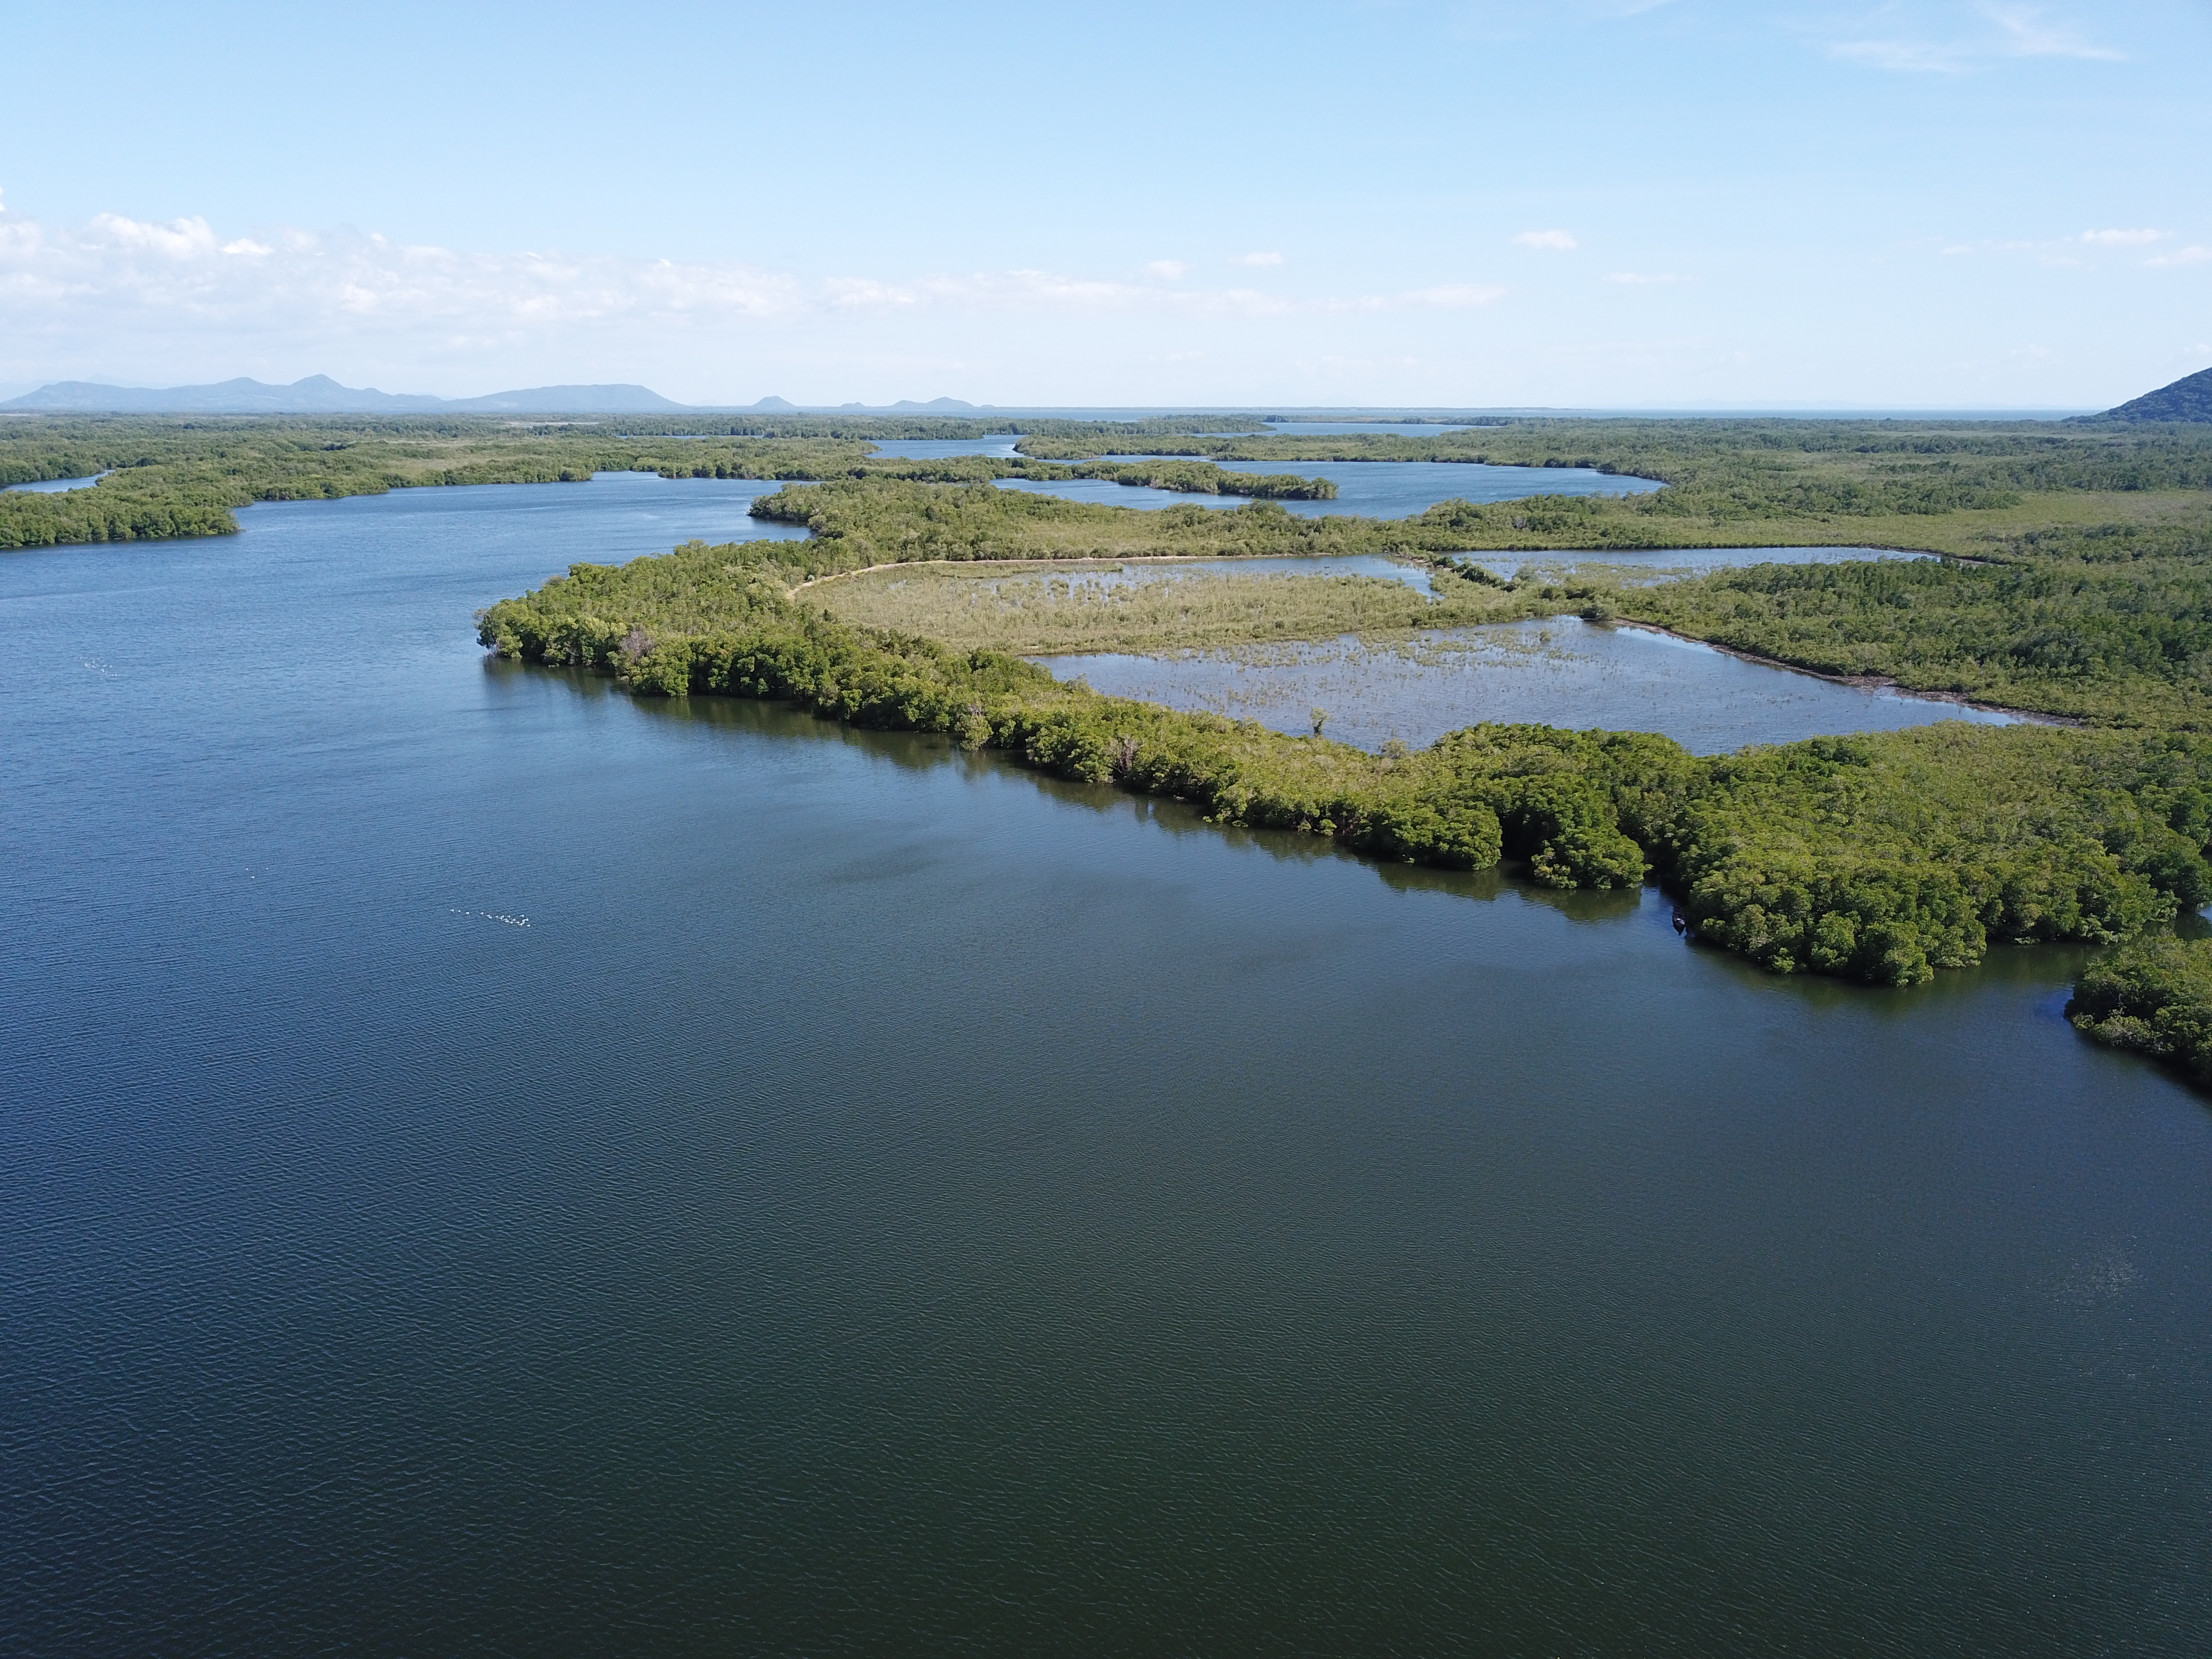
[1562, 671]
[1131, 572]
[1665, 563]
[1631, 566]
[483, 1153]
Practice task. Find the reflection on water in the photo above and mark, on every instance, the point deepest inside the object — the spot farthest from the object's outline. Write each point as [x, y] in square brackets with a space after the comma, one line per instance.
[1562, 671]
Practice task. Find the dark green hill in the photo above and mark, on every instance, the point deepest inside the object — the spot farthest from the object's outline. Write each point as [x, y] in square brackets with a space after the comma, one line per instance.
[2188, 399]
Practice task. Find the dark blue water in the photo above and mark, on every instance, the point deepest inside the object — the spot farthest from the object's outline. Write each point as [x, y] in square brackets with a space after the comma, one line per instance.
[489, 1166]
[1374, 489]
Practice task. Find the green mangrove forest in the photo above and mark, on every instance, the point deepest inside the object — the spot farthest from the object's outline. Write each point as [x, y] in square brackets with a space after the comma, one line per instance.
[182, 476]
[2076, 583]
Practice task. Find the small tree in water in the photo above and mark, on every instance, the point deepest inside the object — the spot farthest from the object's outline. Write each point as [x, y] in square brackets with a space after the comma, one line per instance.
[1320, 720]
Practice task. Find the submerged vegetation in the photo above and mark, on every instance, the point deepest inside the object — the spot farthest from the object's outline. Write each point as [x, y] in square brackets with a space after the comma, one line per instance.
[1048, 610]
[2110, 623]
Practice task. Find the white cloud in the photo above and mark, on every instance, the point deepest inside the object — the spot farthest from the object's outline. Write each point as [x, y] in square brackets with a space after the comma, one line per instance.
[1457, 296]
[1900, 57]
[2026, 33]
[1446, 297]
[2070, 252]
[179, 270]
[161, 302]
[1043, 290]
[182, 275]
[1995, 32]
[1257, 259]
[1556, 241]
[180, 238]
[1640, 279]
[866, 294]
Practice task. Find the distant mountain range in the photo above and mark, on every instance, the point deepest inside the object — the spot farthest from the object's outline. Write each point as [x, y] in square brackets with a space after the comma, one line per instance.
[318, 394]
[2189, 399]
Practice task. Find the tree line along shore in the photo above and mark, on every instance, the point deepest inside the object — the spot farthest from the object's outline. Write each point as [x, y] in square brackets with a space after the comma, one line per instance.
[2077, 583]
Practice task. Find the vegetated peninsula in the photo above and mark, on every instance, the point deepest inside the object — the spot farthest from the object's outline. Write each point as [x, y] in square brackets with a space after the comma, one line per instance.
[2079, 585]
[162, 477]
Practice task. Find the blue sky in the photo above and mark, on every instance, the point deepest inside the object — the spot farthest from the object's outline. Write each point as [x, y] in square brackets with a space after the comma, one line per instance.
[1591, 202]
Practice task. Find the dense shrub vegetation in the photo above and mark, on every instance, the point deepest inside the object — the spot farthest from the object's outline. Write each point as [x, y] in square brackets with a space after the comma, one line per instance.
[1952, 487]
[184, 476]
[2126, 643]
[2153, 994]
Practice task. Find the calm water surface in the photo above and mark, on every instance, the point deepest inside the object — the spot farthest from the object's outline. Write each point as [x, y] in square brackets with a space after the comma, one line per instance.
[1387, 428]
[489, 1166]
[54, 486]
[938, 449]
[1636, 566]
[1560, 671]
[1373, 490]
[1131, 572]
[1664, 563]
